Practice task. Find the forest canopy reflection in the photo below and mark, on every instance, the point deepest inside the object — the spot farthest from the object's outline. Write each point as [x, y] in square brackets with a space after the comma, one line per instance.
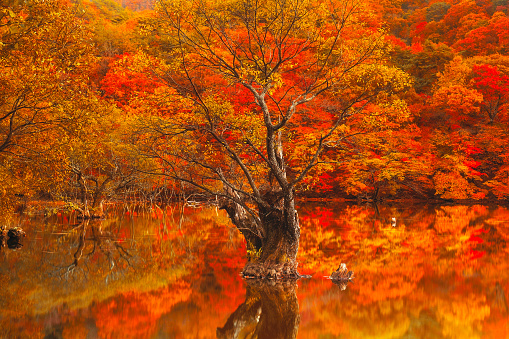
[178, 274]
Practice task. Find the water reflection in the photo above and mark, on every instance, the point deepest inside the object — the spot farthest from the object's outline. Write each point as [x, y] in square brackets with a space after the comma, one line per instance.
[90, 241]
[440, 272]
[270, 311]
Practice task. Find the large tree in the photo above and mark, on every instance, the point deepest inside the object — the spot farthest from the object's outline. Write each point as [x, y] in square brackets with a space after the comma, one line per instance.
[263, 88]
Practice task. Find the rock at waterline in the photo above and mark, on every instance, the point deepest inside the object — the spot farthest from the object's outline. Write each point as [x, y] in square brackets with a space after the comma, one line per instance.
[342, 274]
[11, 237]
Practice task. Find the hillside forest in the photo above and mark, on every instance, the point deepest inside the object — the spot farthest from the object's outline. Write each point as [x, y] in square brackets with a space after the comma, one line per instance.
[370, 100]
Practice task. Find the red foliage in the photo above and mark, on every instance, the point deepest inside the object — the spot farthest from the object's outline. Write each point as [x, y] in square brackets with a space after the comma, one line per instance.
[494, 87]
[122, 83]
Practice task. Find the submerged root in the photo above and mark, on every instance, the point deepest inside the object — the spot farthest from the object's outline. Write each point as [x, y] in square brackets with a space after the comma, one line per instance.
[282, 271]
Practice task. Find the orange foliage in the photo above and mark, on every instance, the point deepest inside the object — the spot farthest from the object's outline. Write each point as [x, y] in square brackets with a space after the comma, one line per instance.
[424, 266]
[134, 314]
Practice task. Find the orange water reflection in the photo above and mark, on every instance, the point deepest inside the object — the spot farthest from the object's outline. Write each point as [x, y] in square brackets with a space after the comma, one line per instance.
[435, 272]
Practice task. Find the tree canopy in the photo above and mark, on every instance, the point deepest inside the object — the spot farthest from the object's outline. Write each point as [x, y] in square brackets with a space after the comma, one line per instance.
[356, 100]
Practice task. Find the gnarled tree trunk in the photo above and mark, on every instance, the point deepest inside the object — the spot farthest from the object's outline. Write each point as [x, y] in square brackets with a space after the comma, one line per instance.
[272, 236]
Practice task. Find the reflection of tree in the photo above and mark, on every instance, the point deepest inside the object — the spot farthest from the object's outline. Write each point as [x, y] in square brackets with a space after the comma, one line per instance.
[418, 279]
[98, 241]
[268, 312]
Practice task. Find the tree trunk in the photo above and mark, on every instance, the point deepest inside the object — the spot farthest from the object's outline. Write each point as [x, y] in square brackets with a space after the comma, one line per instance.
[85, 211]
[272, 238]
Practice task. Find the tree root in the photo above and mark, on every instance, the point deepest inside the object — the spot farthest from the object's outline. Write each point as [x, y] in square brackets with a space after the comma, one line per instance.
[282, 271]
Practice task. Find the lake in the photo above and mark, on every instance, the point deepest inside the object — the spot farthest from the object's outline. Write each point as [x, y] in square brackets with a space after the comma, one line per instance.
[173, 272]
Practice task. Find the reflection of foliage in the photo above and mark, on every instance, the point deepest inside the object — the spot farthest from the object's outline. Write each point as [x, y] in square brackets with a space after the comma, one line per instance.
[454, 314]
[440, 272]
[134, 314]
[429, 274]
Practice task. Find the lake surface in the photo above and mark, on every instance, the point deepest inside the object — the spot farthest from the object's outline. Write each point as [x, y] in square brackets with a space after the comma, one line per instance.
[438, 272]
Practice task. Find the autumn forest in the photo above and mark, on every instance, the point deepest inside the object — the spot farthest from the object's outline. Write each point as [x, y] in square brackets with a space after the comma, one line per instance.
[411, 102]
[147, 147]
